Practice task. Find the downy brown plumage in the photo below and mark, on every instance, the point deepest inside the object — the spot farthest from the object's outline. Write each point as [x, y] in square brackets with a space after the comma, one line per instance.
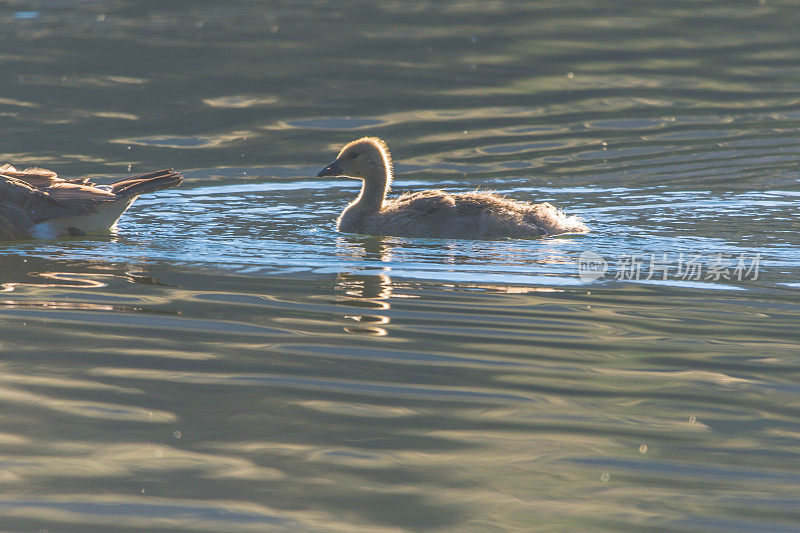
[435, 213]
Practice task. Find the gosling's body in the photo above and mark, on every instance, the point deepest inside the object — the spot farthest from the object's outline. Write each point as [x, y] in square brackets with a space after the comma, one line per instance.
[36, 203]
[435, 213]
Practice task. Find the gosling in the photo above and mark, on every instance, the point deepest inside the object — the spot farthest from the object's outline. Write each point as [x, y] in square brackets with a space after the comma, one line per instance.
[36, 203]
[434, 213]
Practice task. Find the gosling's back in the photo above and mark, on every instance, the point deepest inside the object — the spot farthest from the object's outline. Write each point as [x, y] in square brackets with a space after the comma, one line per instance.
[473, 215]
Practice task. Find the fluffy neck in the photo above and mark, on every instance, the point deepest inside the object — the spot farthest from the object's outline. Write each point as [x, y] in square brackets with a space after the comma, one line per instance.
[376, 184]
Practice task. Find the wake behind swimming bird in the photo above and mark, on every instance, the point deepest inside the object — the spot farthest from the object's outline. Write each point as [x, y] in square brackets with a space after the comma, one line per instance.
[36, 203]
[435, 213]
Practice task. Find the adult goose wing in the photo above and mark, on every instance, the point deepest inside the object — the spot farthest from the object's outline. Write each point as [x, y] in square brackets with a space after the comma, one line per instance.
[19, 204]
[36, 202]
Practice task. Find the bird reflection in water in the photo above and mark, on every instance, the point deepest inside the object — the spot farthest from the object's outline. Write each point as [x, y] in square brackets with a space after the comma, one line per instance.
[369, 292]
[377, 254]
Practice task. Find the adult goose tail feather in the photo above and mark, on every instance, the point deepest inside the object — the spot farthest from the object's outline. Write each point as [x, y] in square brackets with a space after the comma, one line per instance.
[146, 183]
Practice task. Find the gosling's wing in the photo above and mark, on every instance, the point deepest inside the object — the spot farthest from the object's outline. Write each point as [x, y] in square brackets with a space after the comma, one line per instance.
[443, 204]
[424, 202]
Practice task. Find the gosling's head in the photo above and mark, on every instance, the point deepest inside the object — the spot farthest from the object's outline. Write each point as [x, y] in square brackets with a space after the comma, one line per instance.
[365, 158]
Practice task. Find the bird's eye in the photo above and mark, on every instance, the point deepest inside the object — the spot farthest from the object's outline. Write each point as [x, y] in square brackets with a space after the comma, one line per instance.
[353, 155]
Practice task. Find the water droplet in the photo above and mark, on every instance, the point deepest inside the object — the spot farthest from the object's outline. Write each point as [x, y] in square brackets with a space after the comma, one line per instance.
[177, 434]
[605, 476]
[570, 75]
[643, 449]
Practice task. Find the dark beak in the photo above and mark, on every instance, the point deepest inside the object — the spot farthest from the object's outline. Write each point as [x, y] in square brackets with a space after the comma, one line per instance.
[331, 170]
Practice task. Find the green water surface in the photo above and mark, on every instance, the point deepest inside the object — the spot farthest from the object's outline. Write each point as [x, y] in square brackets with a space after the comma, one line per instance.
[229, 362]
